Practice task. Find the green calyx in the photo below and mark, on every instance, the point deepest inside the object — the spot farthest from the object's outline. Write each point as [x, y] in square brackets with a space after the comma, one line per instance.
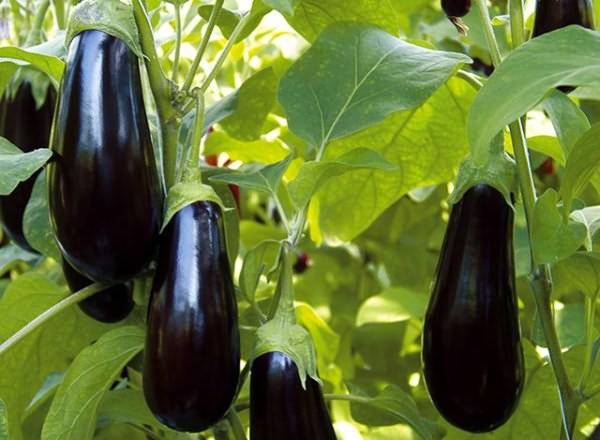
[282, 333]
[113, 17]
[496, 169]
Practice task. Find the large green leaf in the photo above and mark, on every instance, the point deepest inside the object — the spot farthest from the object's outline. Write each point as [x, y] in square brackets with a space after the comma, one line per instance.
[570, 123]
[16, 166]
[426, 144]
[528, 73]
[73, 411]
[48, 349]
[312, 16]
[354, 76]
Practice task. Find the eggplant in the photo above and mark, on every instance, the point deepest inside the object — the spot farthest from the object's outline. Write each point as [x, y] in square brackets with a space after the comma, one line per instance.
[192, 355]
[551, 15]
[280, 408]
[111, 305]
[104, 189]
[28, 127]
[472, 354]
[456, 8]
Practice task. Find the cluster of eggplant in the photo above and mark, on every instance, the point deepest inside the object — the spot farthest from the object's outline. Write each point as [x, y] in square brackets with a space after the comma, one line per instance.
[106, 203]
[472, 354]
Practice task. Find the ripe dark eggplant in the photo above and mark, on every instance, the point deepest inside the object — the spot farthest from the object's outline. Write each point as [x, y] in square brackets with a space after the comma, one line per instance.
[192, 357]
[472, 354]
[280, 408]
[551, 15]
[28, 127]
[456, 8]
[111, 305]
[104, 188]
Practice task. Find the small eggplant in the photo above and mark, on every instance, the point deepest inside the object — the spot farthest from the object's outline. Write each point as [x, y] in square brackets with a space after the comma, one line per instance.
[280, 408]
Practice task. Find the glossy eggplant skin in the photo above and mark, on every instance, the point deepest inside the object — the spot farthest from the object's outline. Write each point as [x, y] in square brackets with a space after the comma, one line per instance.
[111, 305]
[456, 8]
[28, 127]
[472, 353]
[551, 15]
[104, 189]
[280, 408]
[192, 356]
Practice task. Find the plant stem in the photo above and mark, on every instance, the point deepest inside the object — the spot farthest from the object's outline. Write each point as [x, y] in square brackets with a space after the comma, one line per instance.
[230, 43]
[50, 313]
[517, 22]
[59, 10]
[35, 33]
[346, 397]
[212, 20]
[178, 41]
[239, 433]
[192, 169]
[540, 278]
[162, 92]
[590, 313]
[470, 78]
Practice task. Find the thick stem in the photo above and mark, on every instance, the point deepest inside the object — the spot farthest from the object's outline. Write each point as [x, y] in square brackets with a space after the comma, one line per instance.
[161, 90]
[35, 33]
[177, 42]
[49, 314]
[230, 43]
[517, 22]
[214, 15]
[540, 278]
[283, 302]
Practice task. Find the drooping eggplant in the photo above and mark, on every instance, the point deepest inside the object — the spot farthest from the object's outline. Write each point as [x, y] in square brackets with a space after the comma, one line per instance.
[104, 189]
[472, 354]
[111, 305]
[280, 408]
[192, 357]
[28, 127]
[551, 15]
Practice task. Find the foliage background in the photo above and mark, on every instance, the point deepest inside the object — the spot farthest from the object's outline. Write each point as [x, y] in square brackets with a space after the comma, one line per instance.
[373, 241]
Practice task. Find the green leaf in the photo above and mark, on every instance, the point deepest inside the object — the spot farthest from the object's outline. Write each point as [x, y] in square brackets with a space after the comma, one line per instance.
[266, 179]
[49, 64]
[590, 217]
[390, 407]
[11, 255]
[110, 16]
[325, 339]
[548, 145]
[36, 221]
[395, 304]
[552, 239]
[129, 406]
[286, 7]
[73, 411]
[354, 76]
[16, 166]
[186, 193]
[582, 163]
[582, 271]
[3, 421]
[569, 321]
[259, 259]
[426, 144]
[313, 15]
[312, 175]
[261, 151]
[570, 123]
[48, 349]
[528, 73]
[256, 98]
